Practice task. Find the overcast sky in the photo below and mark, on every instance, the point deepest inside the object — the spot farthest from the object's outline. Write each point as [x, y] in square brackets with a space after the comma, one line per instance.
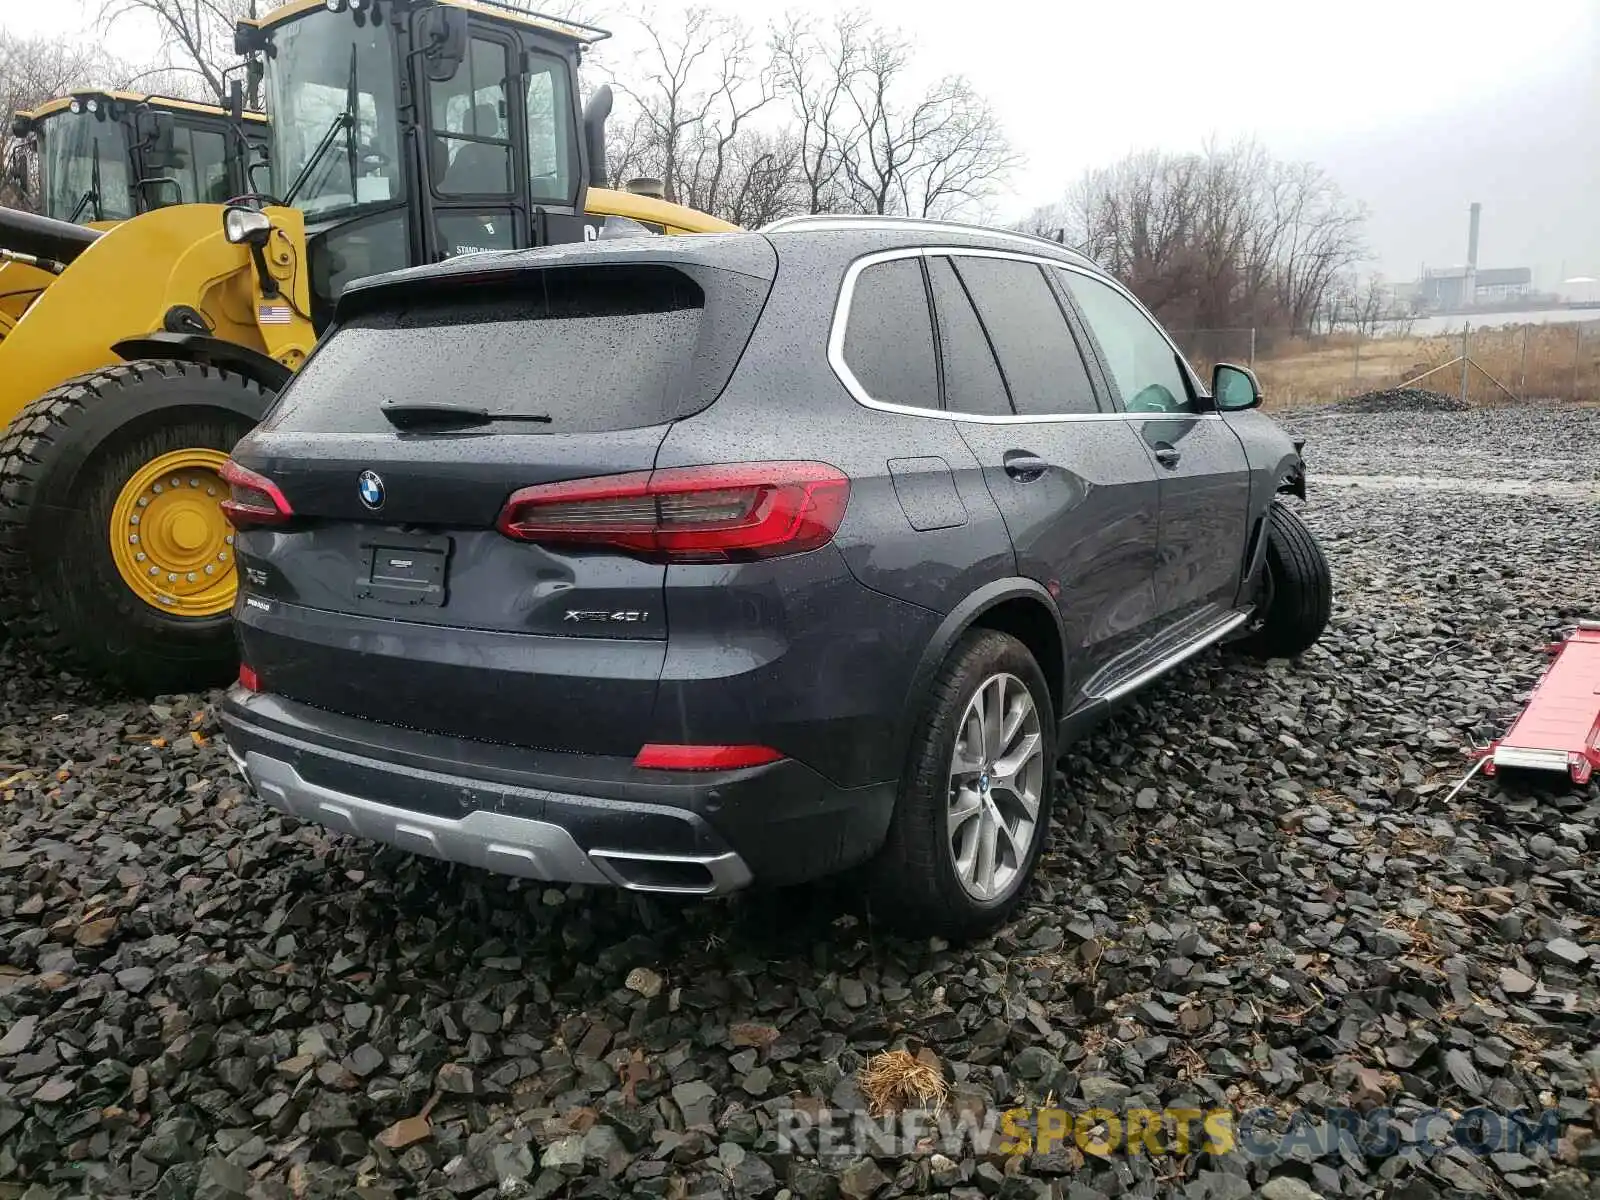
[1416, 107]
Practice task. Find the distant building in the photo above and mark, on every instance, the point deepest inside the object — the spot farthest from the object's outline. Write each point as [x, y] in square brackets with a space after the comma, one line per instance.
[1448, 288]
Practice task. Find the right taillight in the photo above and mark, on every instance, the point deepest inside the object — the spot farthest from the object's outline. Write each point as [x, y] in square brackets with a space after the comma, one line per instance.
[731, 513]
[253, 499]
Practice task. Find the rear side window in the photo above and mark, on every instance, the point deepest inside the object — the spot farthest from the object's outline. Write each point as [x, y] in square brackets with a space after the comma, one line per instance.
[591, 348]
[1042, 365]
[972, 382]
[888, 340]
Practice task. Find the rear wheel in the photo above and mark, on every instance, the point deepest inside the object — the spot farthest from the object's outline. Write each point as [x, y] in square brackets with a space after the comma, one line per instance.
[114, 553]
[1296, 596]
[973, 812]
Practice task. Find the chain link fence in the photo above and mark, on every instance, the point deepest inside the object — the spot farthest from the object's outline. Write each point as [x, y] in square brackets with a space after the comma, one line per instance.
[1502, 364]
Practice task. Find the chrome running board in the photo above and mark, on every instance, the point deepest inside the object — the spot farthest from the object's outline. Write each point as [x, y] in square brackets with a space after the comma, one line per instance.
[1210, 637]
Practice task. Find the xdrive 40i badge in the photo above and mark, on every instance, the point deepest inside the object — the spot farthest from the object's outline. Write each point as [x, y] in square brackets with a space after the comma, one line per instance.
[598, 615]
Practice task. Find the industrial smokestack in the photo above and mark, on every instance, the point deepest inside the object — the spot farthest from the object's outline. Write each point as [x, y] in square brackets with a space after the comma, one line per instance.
[1470, 289]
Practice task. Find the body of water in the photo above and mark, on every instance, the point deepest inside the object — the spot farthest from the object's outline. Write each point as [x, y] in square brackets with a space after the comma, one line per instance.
[1433, 326]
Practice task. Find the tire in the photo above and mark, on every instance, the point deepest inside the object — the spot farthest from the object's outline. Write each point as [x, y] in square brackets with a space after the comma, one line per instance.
[63, 462]
[914, 881]
[1297, 589]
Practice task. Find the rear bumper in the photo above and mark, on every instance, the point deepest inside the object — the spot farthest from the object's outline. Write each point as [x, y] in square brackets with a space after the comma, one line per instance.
[552, 816]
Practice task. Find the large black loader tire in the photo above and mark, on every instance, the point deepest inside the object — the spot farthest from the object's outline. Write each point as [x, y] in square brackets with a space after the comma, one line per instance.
[65, 461]
[1296, 597]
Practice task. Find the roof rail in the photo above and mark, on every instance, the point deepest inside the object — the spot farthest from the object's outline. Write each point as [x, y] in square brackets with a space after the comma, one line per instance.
[577, 30]
[865, 221]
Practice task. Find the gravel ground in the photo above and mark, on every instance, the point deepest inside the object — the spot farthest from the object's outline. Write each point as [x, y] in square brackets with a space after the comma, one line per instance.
[1400, 399]
[1500, 444]
[1260, 896]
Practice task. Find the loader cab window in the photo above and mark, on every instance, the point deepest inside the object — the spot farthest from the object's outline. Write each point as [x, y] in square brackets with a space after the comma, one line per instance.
[471, 151]
[202, 177]
[323, 65]
[208, 167]
[83, 166]
[550, 132]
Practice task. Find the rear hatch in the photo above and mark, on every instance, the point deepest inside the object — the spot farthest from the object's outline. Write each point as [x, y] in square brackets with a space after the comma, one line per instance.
[390, 593]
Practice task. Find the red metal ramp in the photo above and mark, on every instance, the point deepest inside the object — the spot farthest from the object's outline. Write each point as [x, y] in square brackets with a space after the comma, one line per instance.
[1559, 729]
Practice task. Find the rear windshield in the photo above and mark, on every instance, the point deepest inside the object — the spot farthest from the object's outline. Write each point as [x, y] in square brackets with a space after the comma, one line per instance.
[592, 349]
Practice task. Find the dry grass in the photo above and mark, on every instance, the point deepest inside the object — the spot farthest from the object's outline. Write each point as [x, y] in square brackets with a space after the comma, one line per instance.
[1559, 364]
[897, 1079]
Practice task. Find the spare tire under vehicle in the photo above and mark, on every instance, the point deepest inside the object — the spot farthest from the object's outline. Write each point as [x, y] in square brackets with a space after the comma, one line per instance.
[114, 553]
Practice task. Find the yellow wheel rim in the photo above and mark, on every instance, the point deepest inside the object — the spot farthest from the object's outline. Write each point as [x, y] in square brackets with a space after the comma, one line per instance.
[169, 539]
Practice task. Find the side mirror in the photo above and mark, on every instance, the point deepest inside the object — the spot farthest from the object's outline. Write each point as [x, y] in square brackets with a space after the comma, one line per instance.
[17, 169]
[154, 131]
[444, 41]
[1235, 388]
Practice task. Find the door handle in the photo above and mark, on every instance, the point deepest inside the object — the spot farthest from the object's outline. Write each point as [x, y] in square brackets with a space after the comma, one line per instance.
[1023, 466]
[1168, 456]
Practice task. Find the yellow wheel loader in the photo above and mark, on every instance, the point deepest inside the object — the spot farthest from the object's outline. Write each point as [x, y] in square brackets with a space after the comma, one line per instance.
[99, 157]
[402, 132]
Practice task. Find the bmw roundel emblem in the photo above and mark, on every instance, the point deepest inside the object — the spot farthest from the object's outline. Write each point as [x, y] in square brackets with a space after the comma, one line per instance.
[370, 488]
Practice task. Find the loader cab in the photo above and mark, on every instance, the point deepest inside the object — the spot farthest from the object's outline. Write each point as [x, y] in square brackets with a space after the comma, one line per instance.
[106, 156]
[411, 131]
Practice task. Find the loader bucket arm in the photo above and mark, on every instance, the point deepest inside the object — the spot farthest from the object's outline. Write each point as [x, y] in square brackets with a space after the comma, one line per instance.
[21, 283]
[129, 283]
[43, 237]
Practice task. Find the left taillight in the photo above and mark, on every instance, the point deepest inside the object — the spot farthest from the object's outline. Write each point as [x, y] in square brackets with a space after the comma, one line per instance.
[248, 679]
[732, 513]
[253, 499]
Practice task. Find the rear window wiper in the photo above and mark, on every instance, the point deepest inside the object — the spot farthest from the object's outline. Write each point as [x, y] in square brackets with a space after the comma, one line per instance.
[450, 416]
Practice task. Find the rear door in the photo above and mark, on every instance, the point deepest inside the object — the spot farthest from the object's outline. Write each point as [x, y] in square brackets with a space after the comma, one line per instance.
[1077, 491]
[1205, 478]
[392, 595]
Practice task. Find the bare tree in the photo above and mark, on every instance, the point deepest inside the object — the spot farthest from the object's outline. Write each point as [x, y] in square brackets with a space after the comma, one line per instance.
[933, 154]
[868, 141]
[196, 36]
[1223, 238]
[1319, 237]
[1357, 302]
[33, 70]
[816, 68]
[694, 90]
[765, 179]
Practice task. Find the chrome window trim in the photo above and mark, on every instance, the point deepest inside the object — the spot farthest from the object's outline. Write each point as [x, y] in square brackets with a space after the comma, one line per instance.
[1194, 380]
[847, 377]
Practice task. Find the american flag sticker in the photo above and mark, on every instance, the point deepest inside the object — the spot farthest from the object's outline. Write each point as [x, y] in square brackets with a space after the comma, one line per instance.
[272, 314]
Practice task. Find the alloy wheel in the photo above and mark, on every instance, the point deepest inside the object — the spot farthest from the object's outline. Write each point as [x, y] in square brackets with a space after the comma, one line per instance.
[997, 776]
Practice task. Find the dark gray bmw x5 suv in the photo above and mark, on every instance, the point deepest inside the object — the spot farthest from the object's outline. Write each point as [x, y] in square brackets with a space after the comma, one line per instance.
[683, 563]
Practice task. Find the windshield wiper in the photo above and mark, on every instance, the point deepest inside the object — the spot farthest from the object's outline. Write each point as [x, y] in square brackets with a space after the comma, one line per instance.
[346, 121]
[451, 416]
[93, 194]
[352, 98]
